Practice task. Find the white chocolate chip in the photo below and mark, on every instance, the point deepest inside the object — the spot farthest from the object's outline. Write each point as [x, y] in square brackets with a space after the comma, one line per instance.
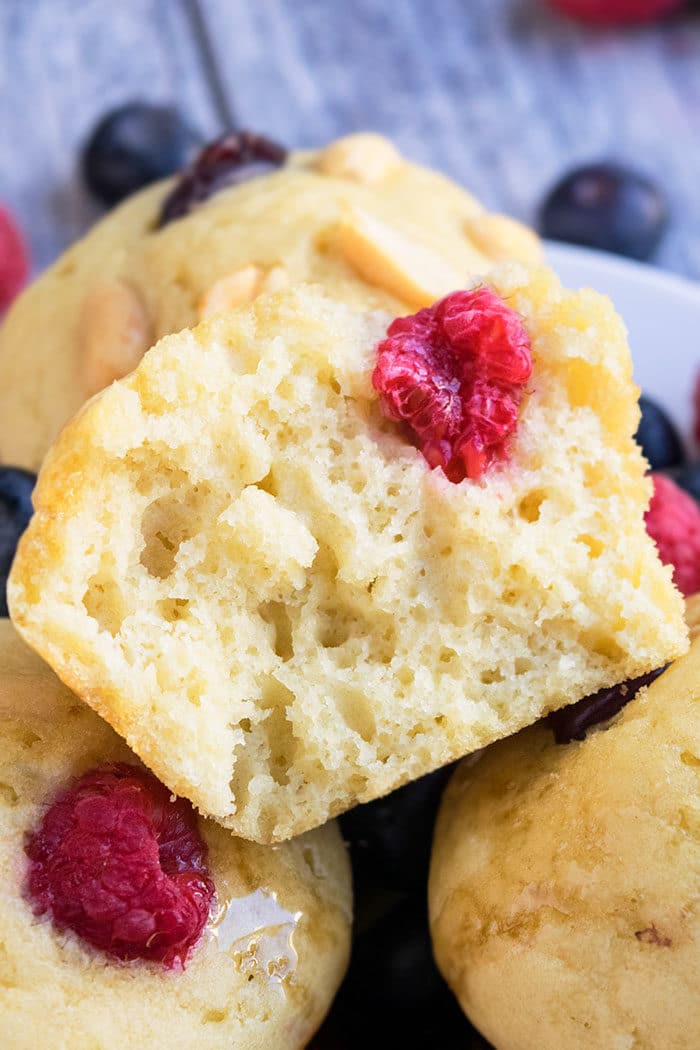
[275, 279]
[232, 290]
[504, 239]
[362, 157]
[383, 256]
[241, 287]
[114, 333]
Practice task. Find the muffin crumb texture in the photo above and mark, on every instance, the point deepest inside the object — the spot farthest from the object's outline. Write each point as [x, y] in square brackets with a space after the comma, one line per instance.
[256, 578]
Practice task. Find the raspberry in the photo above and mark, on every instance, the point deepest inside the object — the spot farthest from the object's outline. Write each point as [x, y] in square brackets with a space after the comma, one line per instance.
[612, 12]
[123, 866]
[673, 522]
[455, 373]
[14, 261]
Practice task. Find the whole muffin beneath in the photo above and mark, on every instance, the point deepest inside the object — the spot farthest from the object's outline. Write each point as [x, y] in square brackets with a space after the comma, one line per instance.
[241, 559]
[565, 881]
[374, 229]
[83, 963]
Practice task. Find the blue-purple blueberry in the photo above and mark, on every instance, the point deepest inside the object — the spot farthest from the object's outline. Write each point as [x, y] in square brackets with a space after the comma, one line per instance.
[133, 146]
[606, 206]
[15, 511]
[658, 437]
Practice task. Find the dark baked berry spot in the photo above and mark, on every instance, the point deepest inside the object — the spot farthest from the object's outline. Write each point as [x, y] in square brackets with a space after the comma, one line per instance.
[573, 722]
[122, 864]
[233, 158]
[455, 373]
[650, 935]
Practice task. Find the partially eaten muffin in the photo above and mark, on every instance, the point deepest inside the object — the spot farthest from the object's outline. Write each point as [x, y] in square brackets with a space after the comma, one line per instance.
[254, 564]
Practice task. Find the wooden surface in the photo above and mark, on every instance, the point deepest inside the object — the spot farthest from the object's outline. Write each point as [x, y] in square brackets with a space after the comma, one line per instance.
[502, 94]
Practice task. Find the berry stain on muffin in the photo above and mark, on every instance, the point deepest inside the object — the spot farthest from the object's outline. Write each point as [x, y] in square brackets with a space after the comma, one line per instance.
[121, 863]
[455, 372]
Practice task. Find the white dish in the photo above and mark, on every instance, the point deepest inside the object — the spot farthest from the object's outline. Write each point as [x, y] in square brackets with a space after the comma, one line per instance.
[661, 311]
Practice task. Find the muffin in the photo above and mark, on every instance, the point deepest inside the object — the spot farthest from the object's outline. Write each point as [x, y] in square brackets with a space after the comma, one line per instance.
[371, 227]
[241, 559]
[565, 880]
[268, 948]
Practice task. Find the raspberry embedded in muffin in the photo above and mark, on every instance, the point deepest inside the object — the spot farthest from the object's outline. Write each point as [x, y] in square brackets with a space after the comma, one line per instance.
[355, 217]
[455, 372]
[121, 862]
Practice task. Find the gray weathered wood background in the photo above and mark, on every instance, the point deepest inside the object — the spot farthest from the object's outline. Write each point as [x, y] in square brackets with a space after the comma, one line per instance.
[502, 94]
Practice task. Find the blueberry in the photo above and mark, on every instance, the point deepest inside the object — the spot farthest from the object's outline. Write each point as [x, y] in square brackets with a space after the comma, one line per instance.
[658, 437]
[688, 478]
[394, 995]
[390, 837]
[15, 511]
[134, 145]
[606, 206]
